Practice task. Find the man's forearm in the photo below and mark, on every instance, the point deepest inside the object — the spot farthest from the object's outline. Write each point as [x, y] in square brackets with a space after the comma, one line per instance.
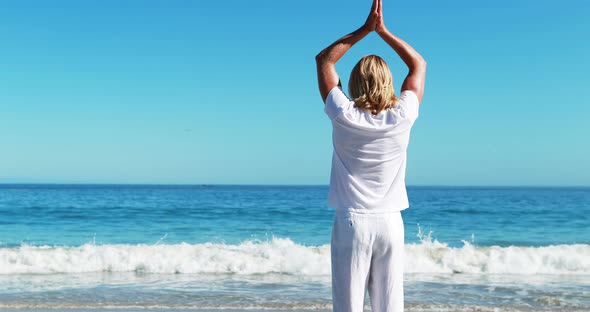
[411, 57]
[337, 49]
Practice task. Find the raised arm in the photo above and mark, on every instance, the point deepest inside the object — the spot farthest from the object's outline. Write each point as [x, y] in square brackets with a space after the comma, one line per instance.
[326, 60]
[415, 62]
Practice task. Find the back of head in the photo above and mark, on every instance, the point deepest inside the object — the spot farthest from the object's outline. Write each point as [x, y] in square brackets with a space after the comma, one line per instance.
[371, 85]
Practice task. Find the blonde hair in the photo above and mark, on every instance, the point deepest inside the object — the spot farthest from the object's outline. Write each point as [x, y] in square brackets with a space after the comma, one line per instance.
[371, 85]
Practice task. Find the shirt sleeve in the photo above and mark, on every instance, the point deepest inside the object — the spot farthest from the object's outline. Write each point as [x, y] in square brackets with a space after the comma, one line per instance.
[336, 103]
[410, 104]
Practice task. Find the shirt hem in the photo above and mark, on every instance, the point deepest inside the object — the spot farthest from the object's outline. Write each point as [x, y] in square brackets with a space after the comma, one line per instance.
[368, 211]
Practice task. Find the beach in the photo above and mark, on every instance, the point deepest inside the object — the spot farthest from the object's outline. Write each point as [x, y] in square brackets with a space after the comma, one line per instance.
[266, 248]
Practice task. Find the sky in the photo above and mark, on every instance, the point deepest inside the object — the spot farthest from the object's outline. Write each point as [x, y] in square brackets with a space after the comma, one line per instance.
[225, 92]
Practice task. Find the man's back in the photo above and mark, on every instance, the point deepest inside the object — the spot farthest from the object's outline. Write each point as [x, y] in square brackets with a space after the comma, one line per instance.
[369, 160]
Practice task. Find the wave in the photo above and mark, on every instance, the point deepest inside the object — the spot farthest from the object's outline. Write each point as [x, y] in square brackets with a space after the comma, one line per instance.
[283, 256]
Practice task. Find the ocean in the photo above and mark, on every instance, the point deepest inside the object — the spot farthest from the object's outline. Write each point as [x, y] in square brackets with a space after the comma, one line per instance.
[232, 247]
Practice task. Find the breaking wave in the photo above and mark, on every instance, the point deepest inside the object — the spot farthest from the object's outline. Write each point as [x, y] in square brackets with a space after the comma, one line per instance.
[283, 256]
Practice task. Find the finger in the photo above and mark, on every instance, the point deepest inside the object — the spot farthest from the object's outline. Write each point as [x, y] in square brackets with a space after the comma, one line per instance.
[374, 6]
[380, 7]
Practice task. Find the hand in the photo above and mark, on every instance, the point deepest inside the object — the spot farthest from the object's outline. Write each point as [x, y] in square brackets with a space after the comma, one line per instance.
[373, 17]
[379, 24]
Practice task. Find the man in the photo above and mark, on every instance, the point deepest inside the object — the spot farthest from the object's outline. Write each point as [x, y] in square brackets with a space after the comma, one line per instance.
[371, 132]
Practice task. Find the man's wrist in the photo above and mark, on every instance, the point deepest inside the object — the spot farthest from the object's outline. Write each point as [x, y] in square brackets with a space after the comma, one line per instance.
[381, 31]
[365, 29]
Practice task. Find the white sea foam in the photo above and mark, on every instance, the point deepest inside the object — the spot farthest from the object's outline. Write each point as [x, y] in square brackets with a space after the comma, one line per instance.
[281, 255]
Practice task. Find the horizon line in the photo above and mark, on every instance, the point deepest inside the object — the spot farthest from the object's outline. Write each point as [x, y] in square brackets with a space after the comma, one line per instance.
[277, 184]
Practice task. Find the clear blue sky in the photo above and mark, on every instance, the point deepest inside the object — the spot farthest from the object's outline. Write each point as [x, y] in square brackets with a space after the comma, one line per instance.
[225, 91]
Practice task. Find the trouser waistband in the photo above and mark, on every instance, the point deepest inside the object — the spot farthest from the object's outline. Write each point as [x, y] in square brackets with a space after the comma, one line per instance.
[367, 212]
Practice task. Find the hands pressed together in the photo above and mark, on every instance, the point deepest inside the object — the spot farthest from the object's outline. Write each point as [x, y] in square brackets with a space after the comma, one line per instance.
[375, 19]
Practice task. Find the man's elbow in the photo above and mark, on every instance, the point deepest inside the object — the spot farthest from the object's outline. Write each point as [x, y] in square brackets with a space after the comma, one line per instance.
[323, 58]
[420, 64]
[320, 57]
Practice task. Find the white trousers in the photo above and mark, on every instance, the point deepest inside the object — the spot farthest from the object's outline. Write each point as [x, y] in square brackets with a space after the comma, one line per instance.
[367, 252]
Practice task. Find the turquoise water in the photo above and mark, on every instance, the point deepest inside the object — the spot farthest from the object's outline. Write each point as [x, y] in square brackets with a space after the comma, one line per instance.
[267, 247]
[73, 214]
